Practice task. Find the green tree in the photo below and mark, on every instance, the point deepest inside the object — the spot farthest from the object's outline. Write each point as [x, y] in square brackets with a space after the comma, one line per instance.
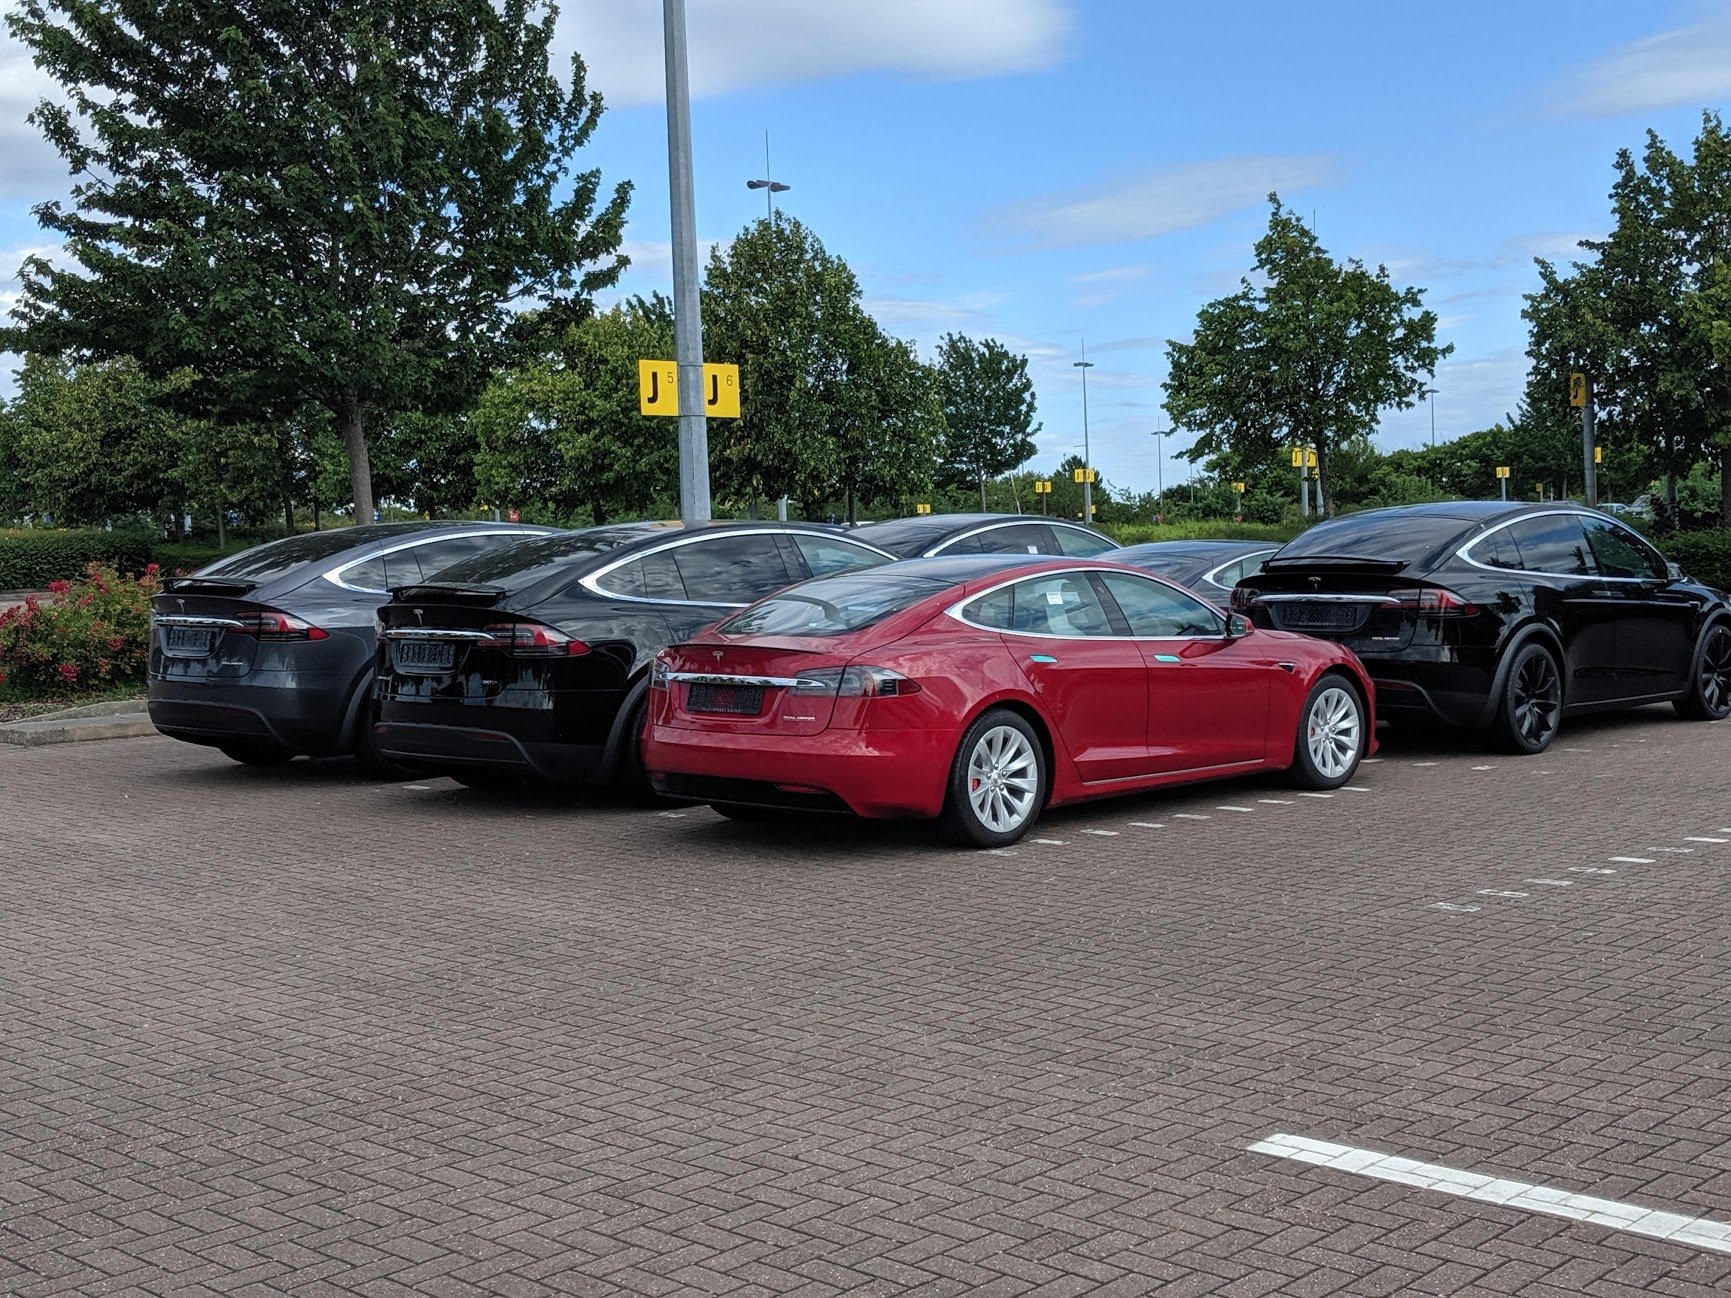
[1310, 357]
[889, 427]
[561, 432]
[338, 203]
[988, 403]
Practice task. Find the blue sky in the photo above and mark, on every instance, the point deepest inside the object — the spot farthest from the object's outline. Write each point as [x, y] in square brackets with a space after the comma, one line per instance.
[1044, 171]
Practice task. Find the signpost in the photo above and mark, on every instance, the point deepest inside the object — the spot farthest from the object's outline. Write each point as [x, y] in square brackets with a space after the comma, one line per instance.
[1238, 514]
[1304, 460]
[1043, 489]
[1581, 397]
[1503, 479]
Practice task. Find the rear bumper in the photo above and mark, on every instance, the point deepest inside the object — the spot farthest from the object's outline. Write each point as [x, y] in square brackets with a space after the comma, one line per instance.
[534, 742]
[303, 712]
[883, 774]
[1458, 692]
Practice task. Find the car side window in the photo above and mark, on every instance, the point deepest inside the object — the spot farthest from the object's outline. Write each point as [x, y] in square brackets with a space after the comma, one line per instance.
[1620, 552]
[1554, 543]
[827, 554]
[731, 569]
[381, 572]
[653, 576]
[1079, 544]
[1499, 549]
[1018, 538]
[1159, 612]
[434, 556]
[1064, 604]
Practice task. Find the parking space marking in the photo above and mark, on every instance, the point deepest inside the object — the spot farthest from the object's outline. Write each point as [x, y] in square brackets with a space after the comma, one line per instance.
[1276, 802]
[1591, 869]
[1452, 905]
[1502, 892]
[419, 788]
[1227, 806]
[1103, 833]
[1427, 763]
[1702, 838]
[1147, 824]
[1316, 795]
[1674, 851]
[1485, 768]
[1694, 1232]
[1369, 761]
[1632, 860]
[1354, 788]
[1050, 842]
[1188, 815]
[1552, 883]
[672, 815]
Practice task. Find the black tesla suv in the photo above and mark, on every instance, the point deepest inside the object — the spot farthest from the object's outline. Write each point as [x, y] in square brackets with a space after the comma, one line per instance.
[1502, 617]
[268, 654]
[534, 664]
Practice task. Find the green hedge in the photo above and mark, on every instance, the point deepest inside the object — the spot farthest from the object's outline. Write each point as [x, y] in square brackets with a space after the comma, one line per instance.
[30, 558]
[1705, 556]
[1205, 529]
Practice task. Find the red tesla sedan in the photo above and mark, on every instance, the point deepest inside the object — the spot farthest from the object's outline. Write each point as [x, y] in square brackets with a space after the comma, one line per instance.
[981, 689]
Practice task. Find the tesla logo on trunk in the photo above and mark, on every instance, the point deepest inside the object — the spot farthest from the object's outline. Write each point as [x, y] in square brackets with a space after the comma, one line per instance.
[420, 617]
[716, 654]
[1315, 583]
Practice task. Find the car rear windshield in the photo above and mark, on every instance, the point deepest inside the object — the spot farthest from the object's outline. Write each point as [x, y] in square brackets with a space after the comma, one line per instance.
[905, 536]
[1378, 537]
[276, 559]
[518, 567]
[834, 605]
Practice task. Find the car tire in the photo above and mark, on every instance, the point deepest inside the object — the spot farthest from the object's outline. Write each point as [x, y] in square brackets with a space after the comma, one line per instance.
[1709, 696]
[372, 761]
[1530, 708]
[734, 811]
[256, 754]
[1333, 735]
[631, 779]
[483, 778]
[998, 782]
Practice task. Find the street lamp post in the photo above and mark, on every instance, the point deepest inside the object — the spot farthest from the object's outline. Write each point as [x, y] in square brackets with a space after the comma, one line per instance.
[1160, 474]
[1087, 459]
[694, 503]
[770, 187]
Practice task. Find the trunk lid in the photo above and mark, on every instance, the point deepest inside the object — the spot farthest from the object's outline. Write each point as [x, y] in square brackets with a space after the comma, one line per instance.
[1365, 605]
[447, 642]
[194, 631]
[778, 686]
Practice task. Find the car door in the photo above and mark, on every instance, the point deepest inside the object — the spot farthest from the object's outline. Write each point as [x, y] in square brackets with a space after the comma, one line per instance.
[1208, 696]
[1569, 592]
[1655, 637]
[1088, 675]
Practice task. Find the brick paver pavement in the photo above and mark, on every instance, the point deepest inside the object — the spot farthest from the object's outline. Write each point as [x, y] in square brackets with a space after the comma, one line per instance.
[287, 1032]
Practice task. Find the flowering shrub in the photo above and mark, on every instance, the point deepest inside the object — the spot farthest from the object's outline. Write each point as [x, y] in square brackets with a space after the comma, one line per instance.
[90, 634]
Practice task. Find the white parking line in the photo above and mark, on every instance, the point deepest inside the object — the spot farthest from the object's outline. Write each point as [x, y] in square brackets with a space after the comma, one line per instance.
[418, 788]
[1694, 1232]
[1502, 892]
[1316, 795]
[1103, 833]
[1188, 815]
[1353, 788]
[1552, 883]
[1702, 838]
[1230, 807]
[1147, 824]
[1632, 860]
[1276, 802]
[1450, 905]
[1424, 763]
[1484, 768]
[1050, 842]
[1368, 761]
[673, 815]
[1674, 851]
[1591, 869]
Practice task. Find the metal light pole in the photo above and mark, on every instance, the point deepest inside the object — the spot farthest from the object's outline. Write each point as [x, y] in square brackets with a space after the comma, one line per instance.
[1160, 474]
[1433, 419]
[770, 187]
[1087, 460]
[687, 317]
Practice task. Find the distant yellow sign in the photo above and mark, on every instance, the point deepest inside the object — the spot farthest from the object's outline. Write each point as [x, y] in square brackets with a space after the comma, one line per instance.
[1085, 475]
[1577, 389]
[1042, 487]
[1238, 487]
[1502, 470]
[1304, 457]
[922, 508]
[1598, 455]
[658, 389]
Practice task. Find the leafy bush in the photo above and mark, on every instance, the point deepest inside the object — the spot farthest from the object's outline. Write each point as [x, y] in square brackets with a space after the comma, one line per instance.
[31, 558]
[1704, 555]
[90, 634]
[1202, 529]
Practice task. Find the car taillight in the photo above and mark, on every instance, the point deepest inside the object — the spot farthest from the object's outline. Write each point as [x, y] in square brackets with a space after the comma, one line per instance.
[658, 674]
[854, 682]
[1433, 601]
[268, 624]
[1242, 598]
[532, 640]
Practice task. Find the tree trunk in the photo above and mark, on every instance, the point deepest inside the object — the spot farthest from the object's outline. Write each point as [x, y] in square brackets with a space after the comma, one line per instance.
[982, 495]
[1671, 493]
[1321, 477]
[1725, 487]
[852, 507]
[288, 516]
[360, 465]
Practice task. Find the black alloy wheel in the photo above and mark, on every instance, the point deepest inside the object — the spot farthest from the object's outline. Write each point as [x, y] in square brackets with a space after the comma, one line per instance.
[1532, 702]
[1709, 696]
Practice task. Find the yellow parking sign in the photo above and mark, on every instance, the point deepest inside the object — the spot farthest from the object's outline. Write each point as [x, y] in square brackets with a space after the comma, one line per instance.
[658, 389]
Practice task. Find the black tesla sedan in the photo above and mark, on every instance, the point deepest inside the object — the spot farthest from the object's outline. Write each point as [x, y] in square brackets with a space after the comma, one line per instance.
[535, 663]
[925, 535]
[1503, 617]
[1210, 568]
[268, 654]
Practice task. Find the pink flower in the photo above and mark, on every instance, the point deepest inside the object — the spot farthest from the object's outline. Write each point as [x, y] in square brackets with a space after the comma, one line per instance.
[59, 587]
[68, 673]
[116, 643]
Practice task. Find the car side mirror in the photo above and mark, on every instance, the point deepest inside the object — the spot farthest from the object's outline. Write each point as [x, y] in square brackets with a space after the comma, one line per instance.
[1674, 573]
[1236, 626]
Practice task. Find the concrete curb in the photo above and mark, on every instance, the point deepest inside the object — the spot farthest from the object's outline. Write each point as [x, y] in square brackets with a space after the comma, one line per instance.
[123, 719]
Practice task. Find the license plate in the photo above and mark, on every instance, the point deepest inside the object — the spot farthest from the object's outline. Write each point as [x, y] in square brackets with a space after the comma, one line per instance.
[739, 700]
[188, 641]
[424, 655]
[1321, 617]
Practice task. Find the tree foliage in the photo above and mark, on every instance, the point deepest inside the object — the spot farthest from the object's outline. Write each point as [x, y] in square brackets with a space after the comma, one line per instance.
[338, 203]
[1309, 354]
[988, 402]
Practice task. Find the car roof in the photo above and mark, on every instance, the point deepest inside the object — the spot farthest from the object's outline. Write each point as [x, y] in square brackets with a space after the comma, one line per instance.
[289, 556]
[922, 531]
[1192, 549]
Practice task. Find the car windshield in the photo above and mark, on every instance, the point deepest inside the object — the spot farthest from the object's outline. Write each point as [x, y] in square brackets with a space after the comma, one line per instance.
[518, 567]
[1390, 537]
[276, 559]
[834, 605]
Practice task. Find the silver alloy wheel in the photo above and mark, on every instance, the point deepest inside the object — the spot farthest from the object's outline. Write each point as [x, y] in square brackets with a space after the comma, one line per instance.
[1003, 779]
[1332, 731]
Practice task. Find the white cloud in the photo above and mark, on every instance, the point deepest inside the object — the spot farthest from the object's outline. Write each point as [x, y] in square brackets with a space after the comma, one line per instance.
[1112, 275]
[735, 44]
[1161, 202]
[1687, 65]
[31, 169]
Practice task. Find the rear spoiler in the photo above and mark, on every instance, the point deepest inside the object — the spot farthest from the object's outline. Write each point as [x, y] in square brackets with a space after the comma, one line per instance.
[1332, 562]
[207, 586]
[452, 592]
